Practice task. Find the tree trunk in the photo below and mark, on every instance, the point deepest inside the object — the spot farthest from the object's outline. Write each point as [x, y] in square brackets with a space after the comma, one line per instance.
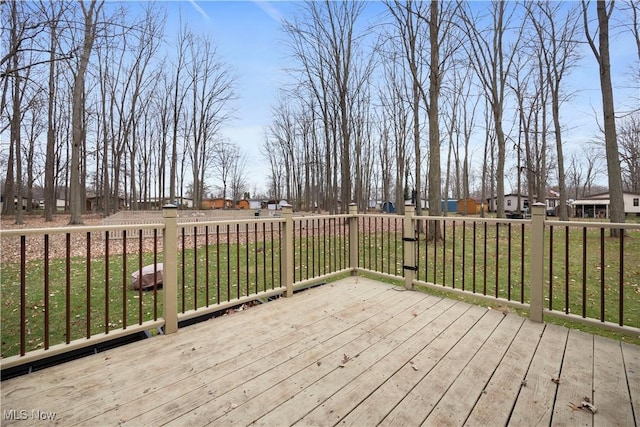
[611, 143]
[77, 118]
[435, 178]
[49, 173]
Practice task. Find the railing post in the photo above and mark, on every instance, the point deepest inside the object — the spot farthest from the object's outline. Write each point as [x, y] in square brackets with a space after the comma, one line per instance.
[409, 243]
[170, 268]
[353, 239]
[286, 272]
[537, 262]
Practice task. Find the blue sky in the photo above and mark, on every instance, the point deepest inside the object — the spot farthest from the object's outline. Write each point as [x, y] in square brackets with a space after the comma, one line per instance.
[250, 38]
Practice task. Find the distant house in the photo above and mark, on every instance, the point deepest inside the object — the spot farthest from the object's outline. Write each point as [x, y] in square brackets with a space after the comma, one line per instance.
[510, 203]
[184, 202]
[597, 205]
[275, 204]
[255, 204]
[25, 202]
[552, 201]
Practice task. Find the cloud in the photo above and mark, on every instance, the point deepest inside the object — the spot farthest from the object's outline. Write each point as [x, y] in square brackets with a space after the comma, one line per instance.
[199, 9]
[268, 8]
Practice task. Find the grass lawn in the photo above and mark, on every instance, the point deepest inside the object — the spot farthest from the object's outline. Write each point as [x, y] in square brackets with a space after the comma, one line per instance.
[575, 278]
[98, 296]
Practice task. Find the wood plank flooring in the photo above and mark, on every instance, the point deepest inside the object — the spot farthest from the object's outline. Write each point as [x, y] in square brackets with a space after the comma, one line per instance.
[355, 352]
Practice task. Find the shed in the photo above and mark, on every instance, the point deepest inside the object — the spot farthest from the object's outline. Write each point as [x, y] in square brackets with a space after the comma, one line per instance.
[220, 203]
[472, 206]
[451, 205]
[242, 204]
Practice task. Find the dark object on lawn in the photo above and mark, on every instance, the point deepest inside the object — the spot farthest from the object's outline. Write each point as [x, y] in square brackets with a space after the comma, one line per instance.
[146, 279]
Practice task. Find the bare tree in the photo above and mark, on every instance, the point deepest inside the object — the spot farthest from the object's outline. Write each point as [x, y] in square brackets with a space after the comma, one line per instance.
[601, 54]
[211, 83]
[629, 139]
[53, 12]
[492, 61]
[90, 14]
[394, 96]
[582, 172]
[413, 36]
[326, 44]
[270, 152]
[559, 50]
[460, 120]
[178, 98]
[227, 157]
[238, 178]
[633, 26]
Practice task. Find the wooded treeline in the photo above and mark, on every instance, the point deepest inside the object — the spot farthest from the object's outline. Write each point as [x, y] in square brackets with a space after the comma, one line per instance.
[433, 100]
[95, 106]
[451, 99]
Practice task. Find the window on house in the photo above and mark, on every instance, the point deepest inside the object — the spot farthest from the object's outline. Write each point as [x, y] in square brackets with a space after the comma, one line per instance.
[508, 202]
[636, 202]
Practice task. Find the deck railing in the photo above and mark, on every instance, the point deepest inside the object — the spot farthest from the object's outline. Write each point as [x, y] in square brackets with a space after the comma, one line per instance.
[573, 270]
[62, 301]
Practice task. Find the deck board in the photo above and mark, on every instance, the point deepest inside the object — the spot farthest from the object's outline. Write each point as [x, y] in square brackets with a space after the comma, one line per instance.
[499, 396]
[609, 376]
[537, 395]
[575, 381]
[354, 352]
[456, 404]
[416, 405]
[631, 354]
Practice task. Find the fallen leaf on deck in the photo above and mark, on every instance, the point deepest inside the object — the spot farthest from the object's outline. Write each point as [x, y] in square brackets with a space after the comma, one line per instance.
[589, 406]
[584, 406]
[555, 380]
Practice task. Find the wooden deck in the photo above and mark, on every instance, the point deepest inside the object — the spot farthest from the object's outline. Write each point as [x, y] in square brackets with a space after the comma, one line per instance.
[355, 352]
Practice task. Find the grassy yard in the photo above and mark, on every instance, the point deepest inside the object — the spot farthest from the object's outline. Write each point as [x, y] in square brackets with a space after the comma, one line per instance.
[481, 260]
[98, 296]
[101, 300]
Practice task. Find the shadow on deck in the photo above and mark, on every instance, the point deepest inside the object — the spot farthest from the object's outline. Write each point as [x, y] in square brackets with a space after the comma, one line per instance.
[353, 352]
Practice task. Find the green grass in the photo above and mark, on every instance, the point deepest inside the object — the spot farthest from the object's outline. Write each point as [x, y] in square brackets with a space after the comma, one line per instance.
[499, 272]
[114, 294]
[242, 269]
[246, 268]
[113, 303]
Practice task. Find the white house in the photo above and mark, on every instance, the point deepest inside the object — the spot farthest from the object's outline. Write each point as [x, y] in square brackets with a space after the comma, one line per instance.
[510, 203]
[597, 205]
